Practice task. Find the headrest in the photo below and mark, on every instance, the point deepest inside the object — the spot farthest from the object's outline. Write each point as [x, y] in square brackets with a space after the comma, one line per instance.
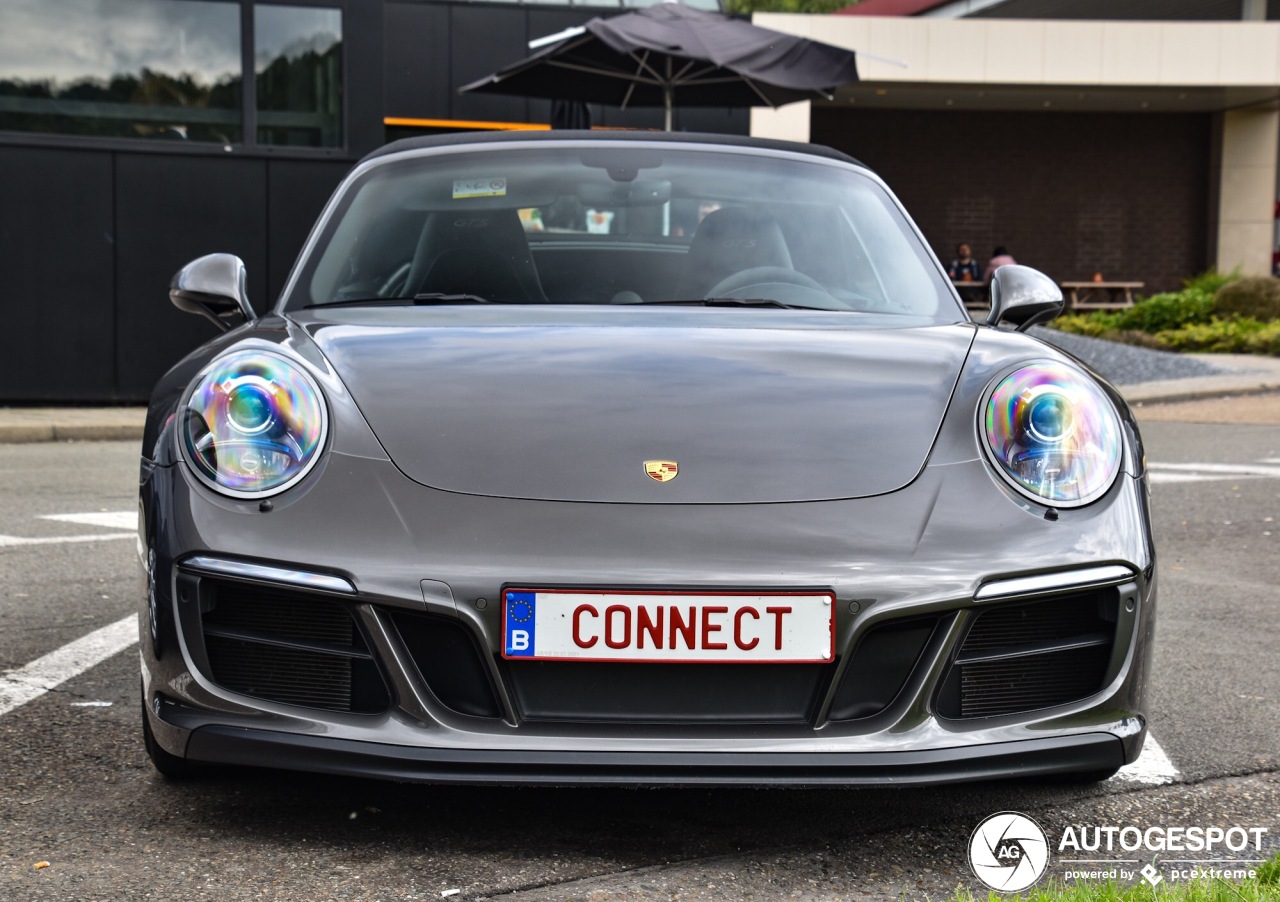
[481, 252]
[730, 240]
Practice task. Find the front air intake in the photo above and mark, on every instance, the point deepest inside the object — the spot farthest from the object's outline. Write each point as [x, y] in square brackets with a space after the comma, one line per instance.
[882, 662]
[1027, 656]
[289, 647]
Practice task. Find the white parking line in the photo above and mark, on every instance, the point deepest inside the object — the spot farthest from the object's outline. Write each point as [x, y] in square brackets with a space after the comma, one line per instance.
[108, 519]
[52, 670]
[1161, 472]
[62, 540]
[105, 519]
[1153, 766]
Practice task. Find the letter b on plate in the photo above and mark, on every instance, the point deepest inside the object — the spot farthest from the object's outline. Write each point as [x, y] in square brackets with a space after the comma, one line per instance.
[520, 623]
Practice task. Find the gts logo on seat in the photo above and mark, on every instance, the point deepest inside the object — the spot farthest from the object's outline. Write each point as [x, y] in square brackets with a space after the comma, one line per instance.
[471, 223]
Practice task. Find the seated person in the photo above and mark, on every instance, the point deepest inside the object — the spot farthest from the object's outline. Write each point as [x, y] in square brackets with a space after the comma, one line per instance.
[964, 268]
[999, 257]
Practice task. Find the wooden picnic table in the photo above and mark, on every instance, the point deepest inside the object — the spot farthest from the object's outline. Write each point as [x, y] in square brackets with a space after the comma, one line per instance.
[1100, 295]
[973, 293]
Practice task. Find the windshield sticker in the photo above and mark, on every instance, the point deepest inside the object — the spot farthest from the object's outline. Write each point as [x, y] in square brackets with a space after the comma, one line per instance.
[479, 188]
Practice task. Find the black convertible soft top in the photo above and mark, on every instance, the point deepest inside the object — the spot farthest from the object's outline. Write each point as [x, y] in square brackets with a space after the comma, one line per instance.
[604, 135]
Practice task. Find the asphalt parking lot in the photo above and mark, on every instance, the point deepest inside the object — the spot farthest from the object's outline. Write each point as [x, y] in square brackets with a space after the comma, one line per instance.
[79, 794]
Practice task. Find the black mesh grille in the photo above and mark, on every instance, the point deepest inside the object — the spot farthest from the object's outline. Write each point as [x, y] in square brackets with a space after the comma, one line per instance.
[1030, 624]
[287, 647]
[288, 616]
[288, 675]
[1026, 656]
[988, 688]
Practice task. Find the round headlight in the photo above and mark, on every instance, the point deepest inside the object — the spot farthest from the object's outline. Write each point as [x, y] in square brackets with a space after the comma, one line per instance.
[253, 424]
[1053, 434]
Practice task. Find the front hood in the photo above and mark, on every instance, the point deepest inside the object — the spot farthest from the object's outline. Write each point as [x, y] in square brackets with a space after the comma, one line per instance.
[753, 406]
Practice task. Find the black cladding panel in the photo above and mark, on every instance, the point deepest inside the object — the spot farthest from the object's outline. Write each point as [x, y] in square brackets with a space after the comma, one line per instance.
[417, 60]
[170, 210]
[297, 191]
[57, 252]
[482, 41]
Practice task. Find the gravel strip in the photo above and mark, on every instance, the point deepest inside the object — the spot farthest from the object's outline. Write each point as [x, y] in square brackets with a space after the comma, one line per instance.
[1123, 364]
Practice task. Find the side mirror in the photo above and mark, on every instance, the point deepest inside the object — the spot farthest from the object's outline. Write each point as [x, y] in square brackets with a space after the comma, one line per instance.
[1023, 296]
[214, 287]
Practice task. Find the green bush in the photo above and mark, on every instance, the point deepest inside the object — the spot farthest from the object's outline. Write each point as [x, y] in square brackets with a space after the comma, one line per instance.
[1139, 338]
[1256, 297]
[1224, 336]
[1223, 314]
[1266, 340]
[1168, 311]
[1211, 281]
[1157, 313]
[1095, 325]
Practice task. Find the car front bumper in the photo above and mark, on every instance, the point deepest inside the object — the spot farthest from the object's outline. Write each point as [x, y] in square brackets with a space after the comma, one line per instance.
[941, 552]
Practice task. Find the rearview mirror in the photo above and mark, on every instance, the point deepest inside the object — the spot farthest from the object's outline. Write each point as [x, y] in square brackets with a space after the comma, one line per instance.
[640, 193]
[1023, 296]
[214, 287]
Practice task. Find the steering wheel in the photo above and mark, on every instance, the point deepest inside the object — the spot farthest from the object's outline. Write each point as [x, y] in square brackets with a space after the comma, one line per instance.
[775, 283]
[396, 283]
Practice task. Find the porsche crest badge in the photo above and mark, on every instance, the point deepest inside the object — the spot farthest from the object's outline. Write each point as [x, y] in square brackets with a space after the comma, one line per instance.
[662, 470]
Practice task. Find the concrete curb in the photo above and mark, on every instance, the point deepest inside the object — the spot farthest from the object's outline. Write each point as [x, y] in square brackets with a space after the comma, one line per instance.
[1172, 391]
[18, 434]
[71, 424]
[1249, 375]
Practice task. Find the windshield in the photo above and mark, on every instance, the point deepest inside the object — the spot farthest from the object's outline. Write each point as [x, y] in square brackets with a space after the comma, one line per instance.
[624, 224]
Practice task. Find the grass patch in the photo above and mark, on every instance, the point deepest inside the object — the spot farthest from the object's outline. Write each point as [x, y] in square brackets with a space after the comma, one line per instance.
[1265, 887]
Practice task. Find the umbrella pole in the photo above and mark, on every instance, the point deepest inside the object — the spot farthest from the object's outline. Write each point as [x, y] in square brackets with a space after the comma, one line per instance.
[667, 90]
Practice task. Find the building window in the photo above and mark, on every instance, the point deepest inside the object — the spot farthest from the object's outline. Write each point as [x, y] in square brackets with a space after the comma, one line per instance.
[172, 70]
[122, 68]
[297, 58]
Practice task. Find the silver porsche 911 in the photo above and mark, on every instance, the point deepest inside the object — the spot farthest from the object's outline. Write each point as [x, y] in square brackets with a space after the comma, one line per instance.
[641, 459]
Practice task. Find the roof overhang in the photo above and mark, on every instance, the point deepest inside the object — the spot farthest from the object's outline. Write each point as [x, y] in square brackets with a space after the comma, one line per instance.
[1094, 66]
[1050, 98]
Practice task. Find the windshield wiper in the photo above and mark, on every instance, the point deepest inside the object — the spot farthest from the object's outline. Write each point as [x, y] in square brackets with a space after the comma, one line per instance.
[440, 297]
[728, 302]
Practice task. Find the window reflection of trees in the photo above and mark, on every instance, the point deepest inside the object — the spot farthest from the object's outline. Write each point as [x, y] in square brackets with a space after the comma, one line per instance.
[300, 98]
[177, 72]
[148, 104]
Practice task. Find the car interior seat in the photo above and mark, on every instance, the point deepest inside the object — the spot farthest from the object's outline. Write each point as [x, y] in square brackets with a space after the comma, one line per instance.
[727, 241]
[383, 256]
[480, 252]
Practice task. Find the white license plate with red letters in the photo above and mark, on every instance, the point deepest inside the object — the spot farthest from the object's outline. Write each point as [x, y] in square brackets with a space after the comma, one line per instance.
[668, 627]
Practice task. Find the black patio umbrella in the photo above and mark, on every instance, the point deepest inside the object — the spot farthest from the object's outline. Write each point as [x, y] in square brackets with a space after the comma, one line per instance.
[672, 54]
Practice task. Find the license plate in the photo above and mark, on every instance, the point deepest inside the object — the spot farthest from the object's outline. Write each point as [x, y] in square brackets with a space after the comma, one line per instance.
[668, 627]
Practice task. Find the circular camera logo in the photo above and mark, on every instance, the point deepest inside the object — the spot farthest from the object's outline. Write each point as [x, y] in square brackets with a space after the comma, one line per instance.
[1008, 852]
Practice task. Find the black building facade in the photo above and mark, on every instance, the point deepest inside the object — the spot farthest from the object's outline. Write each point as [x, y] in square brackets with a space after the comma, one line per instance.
[136, 135]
